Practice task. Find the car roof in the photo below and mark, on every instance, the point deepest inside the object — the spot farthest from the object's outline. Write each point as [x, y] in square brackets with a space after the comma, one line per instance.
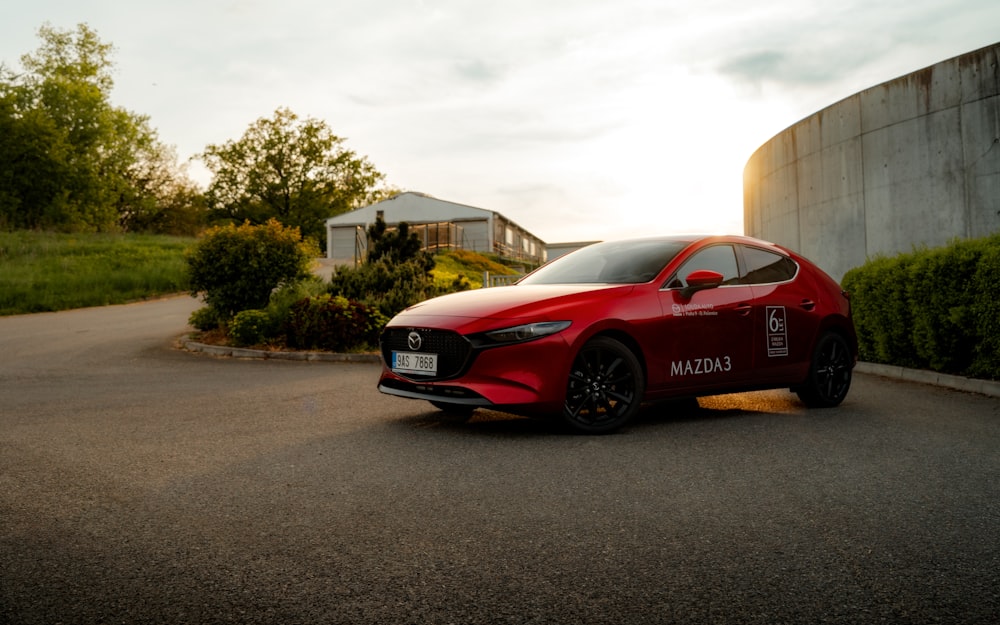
[692, 238]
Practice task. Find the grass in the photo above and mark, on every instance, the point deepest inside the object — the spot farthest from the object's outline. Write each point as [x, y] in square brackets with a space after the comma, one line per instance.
[43, 271]
[450, 265]
[46, 271]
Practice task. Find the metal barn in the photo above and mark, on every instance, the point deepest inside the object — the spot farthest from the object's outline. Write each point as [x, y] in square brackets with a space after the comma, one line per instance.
[439, 224]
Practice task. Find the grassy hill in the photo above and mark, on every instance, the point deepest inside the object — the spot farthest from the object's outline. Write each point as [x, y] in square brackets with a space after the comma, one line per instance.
[449, 266]
[42, 271]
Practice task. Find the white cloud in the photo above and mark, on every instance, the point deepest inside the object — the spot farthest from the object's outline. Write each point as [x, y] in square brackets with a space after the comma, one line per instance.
[579, 119]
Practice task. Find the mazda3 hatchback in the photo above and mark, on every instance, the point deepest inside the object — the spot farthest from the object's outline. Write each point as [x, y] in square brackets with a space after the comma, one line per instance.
[593, 334]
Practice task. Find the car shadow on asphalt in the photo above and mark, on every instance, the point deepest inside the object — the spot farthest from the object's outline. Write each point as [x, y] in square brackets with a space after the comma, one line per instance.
[652, 415]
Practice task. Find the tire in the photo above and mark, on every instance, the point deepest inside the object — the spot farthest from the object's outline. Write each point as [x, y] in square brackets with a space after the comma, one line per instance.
[605, 387]
[829, 373]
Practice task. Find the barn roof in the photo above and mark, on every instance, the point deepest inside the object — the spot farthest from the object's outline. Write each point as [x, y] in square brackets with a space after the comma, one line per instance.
[411, 207]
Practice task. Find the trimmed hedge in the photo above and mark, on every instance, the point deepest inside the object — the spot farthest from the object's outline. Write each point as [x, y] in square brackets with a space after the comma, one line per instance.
[935, 309]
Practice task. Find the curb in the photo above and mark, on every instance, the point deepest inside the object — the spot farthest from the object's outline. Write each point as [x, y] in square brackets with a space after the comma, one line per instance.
[958, 383]
[260, 354]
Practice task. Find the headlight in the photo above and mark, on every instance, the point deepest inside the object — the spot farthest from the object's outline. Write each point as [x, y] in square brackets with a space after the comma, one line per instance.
[527, 332]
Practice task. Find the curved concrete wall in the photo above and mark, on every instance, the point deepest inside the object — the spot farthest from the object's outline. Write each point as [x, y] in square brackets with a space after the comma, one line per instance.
[913, 161]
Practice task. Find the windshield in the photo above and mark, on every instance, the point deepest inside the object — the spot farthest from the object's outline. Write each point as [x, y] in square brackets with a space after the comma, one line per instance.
[613, 262]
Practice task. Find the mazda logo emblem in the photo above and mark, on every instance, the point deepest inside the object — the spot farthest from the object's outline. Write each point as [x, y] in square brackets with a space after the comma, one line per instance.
[414, 341]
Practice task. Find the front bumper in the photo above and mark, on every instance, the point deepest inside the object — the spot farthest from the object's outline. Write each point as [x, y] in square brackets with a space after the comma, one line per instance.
[530, 375]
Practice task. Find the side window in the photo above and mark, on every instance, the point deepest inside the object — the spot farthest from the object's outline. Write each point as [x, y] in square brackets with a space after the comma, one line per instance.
[764, 267]
[720, 258]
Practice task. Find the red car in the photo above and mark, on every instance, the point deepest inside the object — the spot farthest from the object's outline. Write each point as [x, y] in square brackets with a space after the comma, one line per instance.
[593, 334]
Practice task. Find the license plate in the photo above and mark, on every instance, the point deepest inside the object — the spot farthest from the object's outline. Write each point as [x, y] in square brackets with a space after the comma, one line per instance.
[415, 362]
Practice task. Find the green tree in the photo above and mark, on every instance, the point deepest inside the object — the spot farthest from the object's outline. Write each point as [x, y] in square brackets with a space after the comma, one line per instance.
[397, 245]
[67, 81]
[159, 196]
[295, 170]
[32, 167]
[396, 272]
[68, 158]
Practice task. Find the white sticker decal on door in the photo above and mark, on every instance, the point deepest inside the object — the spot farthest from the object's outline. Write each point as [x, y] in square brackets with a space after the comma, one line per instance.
[777, 331]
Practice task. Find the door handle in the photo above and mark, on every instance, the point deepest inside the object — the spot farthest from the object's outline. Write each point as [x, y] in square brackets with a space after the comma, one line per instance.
[808, 304]
[743, 309]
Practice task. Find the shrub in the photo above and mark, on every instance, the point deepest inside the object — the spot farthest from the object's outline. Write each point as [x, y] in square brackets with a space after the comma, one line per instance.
[237, 267]
[250, 327]
[936, 309]
[881, 310]
[333, 323]
[398, 245]
[385, 285]
[985, 313]
[285, 296]
[940, 300]
[205, 319]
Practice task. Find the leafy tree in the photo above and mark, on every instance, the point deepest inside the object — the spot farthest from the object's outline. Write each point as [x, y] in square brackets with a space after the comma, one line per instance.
[295, 170]
[32, 167]
[68, 158]
[160, 197]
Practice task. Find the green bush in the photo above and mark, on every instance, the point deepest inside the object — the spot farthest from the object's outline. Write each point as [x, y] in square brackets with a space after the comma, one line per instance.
[250, 327]
[882, 315]
[333, 323]
[205, 319]
[385, 285]
[933, 309]
[940, 300]
[287, 295]
[985, 313]
[238, 267]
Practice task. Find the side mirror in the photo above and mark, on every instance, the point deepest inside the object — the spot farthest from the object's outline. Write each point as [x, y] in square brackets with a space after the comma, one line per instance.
[699, 280]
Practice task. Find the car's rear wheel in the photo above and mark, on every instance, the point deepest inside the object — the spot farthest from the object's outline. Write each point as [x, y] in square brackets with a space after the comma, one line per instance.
[605, 387]
[829, 373]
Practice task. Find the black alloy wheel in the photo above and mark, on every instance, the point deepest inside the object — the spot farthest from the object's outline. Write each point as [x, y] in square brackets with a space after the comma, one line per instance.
[605, 387]
[829, 373]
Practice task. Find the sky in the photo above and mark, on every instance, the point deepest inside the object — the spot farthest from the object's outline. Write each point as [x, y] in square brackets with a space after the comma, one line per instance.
[578, 119]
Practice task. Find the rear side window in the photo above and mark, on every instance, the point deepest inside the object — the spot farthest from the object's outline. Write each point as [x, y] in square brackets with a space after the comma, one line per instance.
[764, 267]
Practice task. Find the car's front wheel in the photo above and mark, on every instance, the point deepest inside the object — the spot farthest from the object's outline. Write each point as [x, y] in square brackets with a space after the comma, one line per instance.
[829, 373]
[605, 387]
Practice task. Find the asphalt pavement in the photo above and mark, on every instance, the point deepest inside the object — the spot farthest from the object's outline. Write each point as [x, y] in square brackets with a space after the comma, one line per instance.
[143, 483]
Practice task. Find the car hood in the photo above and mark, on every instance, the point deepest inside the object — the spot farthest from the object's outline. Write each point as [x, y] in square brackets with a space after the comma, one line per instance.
[509, 302]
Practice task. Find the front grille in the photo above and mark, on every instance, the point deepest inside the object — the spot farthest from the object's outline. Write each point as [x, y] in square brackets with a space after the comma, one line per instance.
[452, 348]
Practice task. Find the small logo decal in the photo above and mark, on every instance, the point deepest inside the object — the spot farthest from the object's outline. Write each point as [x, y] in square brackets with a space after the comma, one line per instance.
[693, 310]
[414, 341]
[777, 331]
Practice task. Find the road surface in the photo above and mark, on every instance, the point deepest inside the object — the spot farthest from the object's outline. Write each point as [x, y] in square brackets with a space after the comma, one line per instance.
[140, 483]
